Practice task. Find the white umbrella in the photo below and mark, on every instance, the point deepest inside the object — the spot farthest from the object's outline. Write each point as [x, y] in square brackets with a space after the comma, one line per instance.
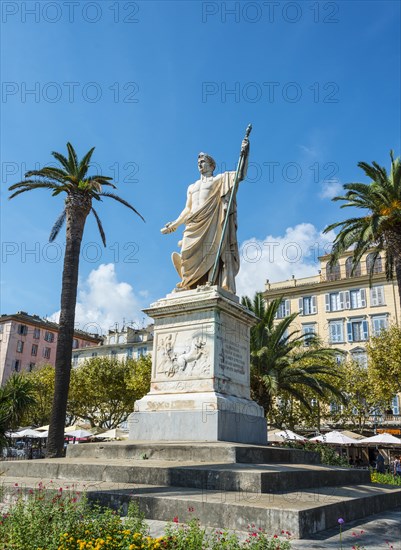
[78, 434]
[380, 439]
[335, 438]
[284, 435]
[115, 433]
[26, 433]
[43, 435]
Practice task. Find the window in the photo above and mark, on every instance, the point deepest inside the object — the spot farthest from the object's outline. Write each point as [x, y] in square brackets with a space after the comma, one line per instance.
[283, 309]
[335, 301]
[34, 349]
[335, 407]
[339, 359]
[360, 357]
[379, 323]
[36, 333]
[112, 340]
[307, 305]
[377, 296]
[357, 330]
[142, 351]
[17, 365]
[46, 353]
[357, 298]
[129, 353]
[75, 343]
[349, 263]
[333, 273]
[395, 405]
[94, 354]
[309, 332]
[377, 264]
[22, 329]
[113, 353]
[336, 331]
[20, 346]
[49, 336]
[31, 367]
[75, 359]
[122, 338]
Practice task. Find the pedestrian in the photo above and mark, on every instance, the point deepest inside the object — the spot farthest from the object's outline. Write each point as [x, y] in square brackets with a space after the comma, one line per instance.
[397, 466]
[380, 463]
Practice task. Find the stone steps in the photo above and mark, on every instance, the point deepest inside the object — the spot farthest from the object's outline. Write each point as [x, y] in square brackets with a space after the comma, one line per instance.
[219, 452]
[251, 478]
[228, 485]
[302, 513]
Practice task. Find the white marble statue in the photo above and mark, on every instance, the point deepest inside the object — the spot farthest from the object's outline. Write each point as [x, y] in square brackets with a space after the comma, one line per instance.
[203, 216]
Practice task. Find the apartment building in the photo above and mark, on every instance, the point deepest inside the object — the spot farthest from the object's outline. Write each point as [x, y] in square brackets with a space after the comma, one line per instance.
[129, 342]
[28, 340]
[341, 306]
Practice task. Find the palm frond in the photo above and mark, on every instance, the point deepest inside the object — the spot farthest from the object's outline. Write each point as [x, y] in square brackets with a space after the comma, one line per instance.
[57, 226]
[122, 201]
[100, 226]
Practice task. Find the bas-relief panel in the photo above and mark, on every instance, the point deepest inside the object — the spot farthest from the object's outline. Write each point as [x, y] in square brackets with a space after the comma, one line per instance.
[185, 354]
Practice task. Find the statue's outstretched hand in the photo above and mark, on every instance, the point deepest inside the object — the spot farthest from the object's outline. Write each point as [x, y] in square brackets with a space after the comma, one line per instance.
[170, 227]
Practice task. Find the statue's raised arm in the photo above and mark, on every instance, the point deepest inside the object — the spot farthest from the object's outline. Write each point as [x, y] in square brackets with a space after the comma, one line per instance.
[209, 247]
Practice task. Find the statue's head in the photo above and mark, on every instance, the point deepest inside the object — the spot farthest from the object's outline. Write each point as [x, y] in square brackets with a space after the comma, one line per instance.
[206, 163]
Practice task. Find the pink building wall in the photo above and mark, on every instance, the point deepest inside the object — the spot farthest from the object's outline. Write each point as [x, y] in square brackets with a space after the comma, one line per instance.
[18, 345]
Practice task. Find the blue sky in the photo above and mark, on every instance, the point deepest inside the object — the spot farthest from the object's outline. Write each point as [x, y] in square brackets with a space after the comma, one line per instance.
[151, 84]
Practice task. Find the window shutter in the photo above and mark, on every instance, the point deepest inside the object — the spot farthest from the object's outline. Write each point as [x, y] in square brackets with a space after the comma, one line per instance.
[287, 307]
[365, 330]
[349, 332]
[341, 298]
[374, 296]
[380, 296]
[301, 306]
[363, 297]
[347, 299]
[327, 301]
[314, 304]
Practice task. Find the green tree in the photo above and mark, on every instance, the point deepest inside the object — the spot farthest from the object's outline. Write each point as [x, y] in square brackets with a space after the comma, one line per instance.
[380, 225]
[286, 361]
[384, 364]
[103, 390]
[70, 178]
[360, 399]
[16, 396]
[42, 380]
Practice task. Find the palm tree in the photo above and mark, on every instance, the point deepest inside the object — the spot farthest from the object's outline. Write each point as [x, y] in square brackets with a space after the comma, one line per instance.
[70, 178]
[284, 360]
[16, 397]
[380, 226]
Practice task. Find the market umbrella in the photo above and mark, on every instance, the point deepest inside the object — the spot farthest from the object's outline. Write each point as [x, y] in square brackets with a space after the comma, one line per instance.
[43, 428]
[25, 433]
[115, 433]
[334, 438]
[284, 435]
[78, 434]
[353, 435]
[380, 439]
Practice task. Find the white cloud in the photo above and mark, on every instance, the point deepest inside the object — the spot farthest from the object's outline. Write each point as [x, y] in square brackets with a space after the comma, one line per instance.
[330, 189]
[103, 301]
[277, 258]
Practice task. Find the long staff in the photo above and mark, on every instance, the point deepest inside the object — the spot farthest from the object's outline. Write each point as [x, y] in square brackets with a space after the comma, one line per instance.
[240, 164]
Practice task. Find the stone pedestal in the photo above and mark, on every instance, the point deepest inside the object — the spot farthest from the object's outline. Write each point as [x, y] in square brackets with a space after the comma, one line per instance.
[200, 372]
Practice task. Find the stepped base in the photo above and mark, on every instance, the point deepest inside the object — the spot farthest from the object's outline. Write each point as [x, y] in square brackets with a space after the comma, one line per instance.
[228, 485]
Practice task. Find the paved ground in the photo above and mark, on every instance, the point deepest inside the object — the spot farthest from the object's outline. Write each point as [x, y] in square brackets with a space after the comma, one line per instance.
[379, 532]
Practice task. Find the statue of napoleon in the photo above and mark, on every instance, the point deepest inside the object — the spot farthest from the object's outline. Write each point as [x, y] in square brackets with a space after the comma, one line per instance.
[208, 232]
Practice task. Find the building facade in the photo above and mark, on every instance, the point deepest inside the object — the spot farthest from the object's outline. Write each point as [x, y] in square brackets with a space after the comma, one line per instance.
[28, 340]
[127, 343]
[341, 306]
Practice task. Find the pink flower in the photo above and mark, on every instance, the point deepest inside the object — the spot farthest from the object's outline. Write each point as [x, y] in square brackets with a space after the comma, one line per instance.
[175, 519]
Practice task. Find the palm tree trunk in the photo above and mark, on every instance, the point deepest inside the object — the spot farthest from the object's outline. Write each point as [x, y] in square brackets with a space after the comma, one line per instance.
[77, 211]
[398, 277]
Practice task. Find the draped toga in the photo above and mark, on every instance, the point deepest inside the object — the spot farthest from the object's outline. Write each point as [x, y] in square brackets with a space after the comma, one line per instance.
[202, 236]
